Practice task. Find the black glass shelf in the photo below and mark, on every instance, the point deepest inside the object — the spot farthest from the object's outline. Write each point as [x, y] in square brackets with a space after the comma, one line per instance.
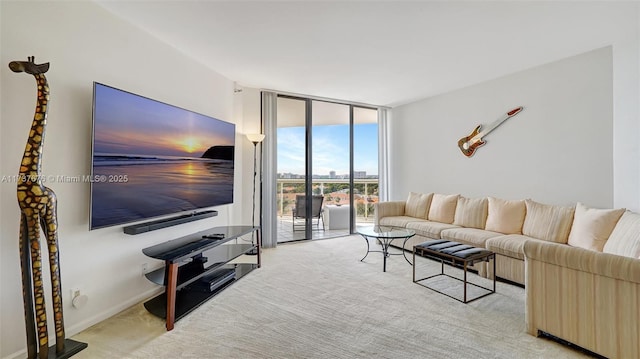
[190, 278]
[190, 297]
[192, 271]
[182, 248]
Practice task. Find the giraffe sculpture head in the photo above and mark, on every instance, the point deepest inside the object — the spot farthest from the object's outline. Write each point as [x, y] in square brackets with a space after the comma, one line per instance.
[29, 66]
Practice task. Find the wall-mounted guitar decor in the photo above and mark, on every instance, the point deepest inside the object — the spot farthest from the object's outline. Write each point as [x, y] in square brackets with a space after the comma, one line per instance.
[469, 144]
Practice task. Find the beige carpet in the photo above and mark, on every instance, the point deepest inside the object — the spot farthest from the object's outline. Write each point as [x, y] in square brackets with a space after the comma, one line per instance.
[317, 300]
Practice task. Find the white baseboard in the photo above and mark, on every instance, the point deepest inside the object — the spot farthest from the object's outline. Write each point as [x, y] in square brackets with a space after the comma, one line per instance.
[78, 327]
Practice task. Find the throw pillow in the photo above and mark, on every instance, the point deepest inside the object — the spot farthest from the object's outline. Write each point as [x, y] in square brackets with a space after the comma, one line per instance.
[471, 212]
[625, 238]
[547, 222]
[505, 216]
[418, 205]
[592, 226]
[443, 208]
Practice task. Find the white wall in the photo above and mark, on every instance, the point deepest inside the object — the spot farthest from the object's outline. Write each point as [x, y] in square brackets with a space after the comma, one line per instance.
[85, 43]
[250, 111]
[558, 150]
[621, 24]
[626, 106]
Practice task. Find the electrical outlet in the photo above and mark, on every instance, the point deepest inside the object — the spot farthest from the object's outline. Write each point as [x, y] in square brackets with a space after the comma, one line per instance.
[145, 268]
[75, 292]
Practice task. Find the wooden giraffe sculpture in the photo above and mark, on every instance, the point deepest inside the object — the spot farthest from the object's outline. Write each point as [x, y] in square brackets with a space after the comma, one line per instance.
[38, 208]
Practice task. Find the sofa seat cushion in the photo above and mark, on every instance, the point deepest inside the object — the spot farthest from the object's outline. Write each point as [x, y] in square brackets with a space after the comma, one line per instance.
[399, 221]
[511, 245]
[625, 238]
[429, 229]
[473, 236]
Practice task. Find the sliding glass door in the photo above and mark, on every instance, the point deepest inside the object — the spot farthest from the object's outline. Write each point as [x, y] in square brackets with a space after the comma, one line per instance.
[331, 148]
[365, 163]
[327, 168]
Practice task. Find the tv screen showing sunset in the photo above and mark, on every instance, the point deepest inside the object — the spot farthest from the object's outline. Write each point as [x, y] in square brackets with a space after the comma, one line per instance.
[152, 159]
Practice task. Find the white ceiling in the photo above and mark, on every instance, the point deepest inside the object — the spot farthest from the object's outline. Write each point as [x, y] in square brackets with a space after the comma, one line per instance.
[378, 53]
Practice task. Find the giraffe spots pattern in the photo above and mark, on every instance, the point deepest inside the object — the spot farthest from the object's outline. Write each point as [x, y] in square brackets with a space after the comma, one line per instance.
[38, 202]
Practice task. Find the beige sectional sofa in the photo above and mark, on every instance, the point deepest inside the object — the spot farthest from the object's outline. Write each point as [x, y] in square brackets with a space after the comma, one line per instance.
[496, 224]
[580, 265]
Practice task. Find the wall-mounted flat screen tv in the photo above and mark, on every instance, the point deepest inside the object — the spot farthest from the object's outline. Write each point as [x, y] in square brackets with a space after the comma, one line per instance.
[151, 159]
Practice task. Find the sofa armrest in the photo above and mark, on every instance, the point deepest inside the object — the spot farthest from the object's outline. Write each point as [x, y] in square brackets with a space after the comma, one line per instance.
[598, 263]
[585, 297]
[388, 209]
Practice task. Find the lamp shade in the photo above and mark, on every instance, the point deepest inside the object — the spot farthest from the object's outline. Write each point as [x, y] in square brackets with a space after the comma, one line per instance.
[255, 137]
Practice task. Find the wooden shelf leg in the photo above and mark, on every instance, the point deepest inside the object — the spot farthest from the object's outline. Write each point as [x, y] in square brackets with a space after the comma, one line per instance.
[172, 280]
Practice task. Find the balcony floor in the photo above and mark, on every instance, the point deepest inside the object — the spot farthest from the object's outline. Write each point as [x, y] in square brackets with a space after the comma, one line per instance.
[287, 234]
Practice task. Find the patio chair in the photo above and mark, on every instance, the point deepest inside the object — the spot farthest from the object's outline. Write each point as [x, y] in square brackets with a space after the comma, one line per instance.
[300, 212]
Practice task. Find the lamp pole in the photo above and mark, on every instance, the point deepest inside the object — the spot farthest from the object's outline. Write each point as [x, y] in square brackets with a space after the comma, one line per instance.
[255, 139]
[255, 173]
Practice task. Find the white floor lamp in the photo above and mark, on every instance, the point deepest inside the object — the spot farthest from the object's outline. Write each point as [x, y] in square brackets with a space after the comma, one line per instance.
[255, 139]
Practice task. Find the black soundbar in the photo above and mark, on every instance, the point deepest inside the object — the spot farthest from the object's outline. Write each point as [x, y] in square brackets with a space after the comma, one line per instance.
[168, 222]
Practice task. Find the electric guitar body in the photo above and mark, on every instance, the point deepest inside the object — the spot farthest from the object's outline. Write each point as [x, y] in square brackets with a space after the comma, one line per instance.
[469, 144]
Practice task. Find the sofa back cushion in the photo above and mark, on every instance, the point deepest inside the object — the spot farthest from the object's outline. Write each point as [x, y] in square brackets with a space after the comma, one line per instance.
[547, 222]
[592, 226]
[471, 212]
[443, 208]
[418, 205]
[625, 237]
[505, 216]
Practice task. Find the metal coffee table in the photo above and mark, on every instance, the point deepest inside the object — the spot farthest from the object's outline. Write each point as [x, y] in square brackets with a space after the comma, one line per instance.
[456, 255]
[385, 235]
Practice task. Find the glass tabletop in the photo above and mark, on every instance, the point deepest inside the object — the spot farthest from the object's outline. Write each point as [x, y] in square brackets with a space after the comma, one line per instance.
[385, 232]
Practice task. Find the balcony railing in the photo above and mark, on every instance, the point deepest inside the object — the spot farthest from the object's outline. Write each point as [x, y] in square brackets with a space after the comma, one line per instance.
[335, 191]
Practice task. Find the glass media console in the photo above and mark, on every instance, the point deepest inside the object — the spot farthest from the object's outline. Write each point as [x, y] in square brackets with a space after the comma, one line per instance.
[191, 276]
